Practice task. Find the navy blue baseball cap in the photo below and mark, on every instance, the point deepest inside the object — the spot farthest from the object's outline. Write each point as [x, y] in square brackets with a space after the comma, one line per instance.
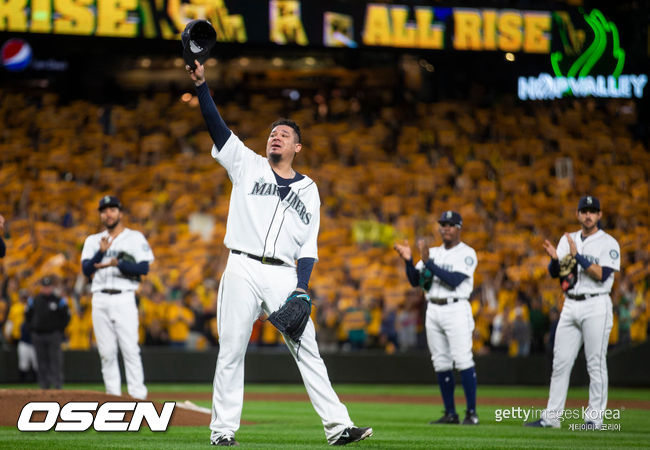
[589, 202]
[198, 38]
[451, 217]
[108, 201]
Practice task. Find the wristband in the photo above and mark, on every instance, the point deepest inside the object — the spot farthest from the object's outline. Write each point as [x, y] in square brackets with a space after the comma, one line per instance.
[584, 262]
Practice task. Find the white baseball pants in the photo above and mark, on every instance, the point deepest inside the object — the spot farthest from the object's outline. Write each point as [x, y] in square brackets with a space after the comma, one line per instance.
[590, 322]
[247, 287]
[115, 323]
[449, 335]
[26, 356]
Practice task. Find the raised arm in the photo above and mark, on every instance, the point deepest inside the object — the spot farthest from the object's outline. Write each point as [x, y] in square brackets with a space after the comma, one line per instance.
[216, 126]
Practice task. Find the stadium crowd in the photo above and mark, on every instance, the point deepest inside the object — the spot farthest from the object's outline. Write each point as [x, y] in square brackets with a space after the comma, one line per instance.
[386, 168]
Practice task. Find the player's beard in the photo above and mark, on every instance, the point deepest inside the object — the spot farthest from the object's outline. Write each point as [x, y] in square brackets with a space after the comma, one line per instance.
[275, 157]
[111, 226]
[589, 225]
[590, 228]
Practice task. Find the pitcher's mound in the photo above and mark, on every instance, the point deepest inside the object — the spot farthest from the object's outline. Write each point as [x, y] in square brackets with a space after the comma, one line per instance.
[12, 402]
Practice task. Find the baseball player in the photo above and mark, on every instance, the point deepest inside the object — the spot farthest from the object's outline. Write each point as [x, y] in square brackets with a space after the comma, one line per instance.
[446, 273]
[116, 258]
[586, 316]
[273, 222]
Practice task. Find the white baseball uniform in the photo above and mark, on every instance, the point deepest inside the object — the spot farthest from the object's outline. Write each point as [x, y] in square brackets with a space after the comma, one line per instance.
[115, 313]
[449, 326]
[262, 224]
[586, 319]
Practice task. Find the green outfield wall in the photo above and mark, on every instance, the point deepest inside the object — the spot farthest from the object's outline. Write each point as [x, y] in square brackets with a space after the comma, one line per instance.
[626, 367]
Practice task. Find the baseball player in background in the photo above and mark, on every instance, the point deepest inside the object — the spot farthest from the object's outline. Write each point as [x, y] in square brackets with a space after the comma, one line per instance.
[116, 258]
[271, 232]
[586, 316]
[446, 274]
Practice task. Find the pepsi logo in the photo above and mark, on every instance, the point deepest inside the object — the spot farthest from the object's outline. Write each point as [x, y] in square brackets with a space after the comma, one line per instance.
[16, 54]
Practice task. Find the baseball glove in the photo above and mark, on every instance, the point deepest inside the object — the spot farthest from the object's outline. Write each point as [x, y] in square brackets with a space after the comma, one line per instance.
[568, 272]
[124, 256]
[426, 279]
[291, 319]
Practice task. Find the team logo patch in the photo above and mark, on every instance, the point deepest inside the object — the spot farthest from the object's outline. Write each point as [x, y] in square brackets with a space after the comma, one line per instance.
[469, 261]
[613, 254]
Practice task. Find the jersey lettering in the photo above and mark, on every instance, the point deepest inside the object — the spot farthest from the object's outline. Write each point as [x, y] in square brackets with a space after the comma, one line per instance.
[299, 207]
[110, 253]
[265, 189]
[262, 188]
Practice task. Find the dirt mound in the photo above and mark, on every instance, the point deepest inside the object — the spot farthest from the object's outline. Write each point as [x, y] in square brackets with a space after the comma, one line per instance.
[12, 402]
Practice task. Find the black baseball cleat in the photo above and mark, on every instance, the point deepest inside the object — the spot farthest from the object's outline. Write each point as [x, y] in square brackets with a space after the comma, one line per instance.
[353, 434]
[225, 441]
[448, 418]
[470, 418]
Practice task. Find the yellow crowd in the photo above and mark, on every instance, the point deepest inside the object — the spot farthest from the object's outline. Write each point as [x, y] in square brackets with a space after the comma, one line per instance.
[513, 172]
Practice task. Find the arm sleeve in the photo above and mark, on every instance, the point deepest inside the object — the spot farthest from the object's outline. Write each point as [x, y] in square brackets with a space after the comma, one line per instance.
[584, 262]
[305, 266]
[88, 265]
[607, 271]
[3, 248]
[216, 126]
[452, 279]
[412, 273]
[554, 268]
[133, 268]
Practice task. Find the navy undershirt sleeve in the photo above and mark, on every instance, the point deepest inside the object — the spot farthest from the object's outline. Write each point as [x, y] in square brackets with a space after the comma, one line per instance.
[133, 268]
[305, 266]
[584, 262]
[3, 248]
[554, 268]
[412, 273]
[88, 265]
[452, 279]
[216, 126]
[607, 271]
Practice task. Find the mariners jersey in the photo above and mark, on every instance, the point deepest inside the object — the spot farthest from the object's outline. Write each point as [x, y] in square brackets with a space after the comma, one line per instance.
[130, 241]
[460, 258]
[599, 248]
[260, 222]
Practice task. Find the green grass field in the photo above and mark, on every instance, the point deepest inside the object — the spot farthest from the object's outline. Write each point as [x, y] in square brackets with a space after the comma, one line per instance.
[281, 425]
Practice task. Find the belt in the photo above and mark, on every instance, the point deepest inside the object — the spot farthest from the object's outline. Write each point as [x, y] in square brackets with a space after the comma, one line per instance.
[262, 259]
[111, 291]
[445, 301]
[583, 296]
